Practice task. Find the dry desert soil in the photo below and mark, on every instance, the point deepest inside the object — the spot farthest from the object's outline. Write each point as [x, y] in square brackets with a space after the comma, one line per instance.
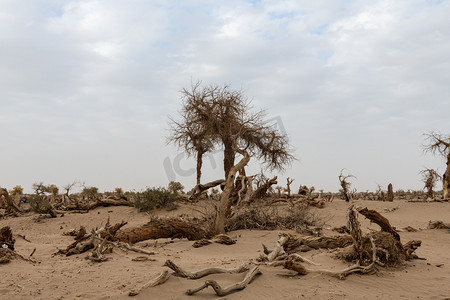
[74, 277]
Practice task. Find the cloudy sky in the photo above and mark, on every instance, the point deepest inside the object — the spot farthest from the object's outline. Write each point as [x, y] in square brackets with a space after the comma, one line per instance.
[86, 87]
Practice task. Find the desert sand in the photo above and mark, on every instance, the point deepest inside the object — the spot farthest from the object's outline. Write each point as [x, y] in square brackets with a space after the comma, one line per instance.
[74, 277]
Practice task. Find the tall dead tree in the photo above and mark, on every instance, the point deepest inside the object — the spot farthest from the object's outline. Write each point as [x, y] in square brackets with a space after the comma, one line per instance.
[430, 177]
[390, 193]
[439, 143]
[345, 185]
[214, 116]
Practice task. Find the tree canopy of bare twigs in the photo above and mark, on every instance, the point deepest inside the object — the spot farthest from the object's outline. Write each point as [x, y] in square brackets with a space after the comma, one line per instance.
[437, 143]
[212, 116]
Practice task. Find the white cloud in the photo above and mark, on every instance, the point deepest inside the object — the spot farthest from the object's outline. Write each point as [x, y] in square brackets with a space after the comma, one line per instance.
[88, 85]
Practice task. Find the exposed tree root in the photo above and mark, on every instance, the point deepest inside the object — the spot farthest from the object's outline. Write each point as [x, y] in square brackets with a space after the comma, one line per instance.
[370, 269]
[377, 218]
[229, 289]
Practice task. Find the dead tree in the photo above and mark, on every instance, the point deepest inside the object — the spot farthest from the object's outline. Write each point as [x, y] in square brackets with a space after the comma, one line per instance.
[345, 191]
[11, 207]
[390, 193]
[229, 185]
[438, 143]
[66, 195]
[216, 115]
[355, 231]
[39, 202]
[430, 178]
[380, 194]
[289, 181]
[261, 191]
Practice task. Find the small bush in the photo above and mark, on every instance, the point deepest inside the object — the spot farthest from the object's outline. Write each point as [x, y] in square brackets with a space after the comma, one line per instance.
[39, 204]
[257, 216]
[153, 198]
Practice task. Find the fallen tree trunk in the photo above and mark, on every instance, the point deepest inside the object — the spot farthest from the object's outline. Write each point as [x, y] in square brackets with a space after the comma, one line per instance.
[164, 228]
[306, 243]
[200, 188]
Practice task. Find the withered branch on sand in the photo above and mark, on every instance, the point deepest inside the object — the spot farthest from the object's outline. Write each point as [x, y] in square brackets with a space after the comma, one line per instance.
[178, 271]
[229, 289]
[160, 279]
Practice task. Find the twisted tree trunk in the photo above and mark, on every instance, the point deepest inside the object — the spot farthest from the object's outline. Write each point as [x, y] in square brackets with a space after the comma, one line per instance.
[446, 179]
[229, 186]
[199, 165]
[228, 155]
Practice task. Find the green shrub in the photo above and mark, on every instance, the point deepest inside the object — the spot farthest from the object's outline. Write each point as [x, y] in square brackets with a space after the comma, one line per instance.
[153, 198]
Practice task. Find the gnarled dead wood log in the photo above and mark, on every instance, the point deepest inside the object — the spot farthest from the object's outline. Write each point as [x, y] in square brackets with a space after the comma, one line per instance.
[224, 239]
[200, 188]
[438, 225]
[307, 243]
[79, 247]
[11, 207]
[6, 238]
[355, 231]
[297, 267]
[262, 190]
[85, 242]
[163, 228]
[281, 260]
[97, 253]
[229, 289]
[377, 218]
[410, 247]
[278, 248]
[178, 271]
